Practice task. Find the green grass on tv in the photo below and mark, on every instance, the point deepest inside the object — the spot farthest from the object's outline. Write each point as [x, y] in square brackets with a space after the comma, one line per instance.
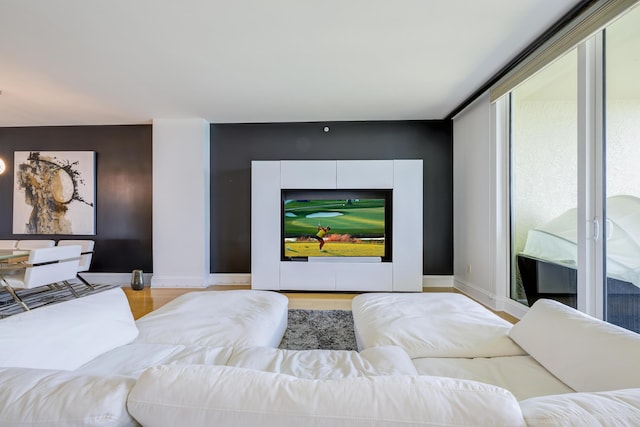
[359, 218]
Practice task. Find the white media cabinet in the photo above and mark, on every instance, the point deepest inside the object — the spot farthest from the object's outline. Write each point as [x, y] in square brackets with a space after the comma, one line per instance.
[402, 274]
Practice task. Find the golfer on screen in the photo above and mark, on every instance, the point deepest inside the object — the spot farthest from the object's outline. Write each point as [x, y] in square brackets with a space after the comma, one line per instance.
[322, 231]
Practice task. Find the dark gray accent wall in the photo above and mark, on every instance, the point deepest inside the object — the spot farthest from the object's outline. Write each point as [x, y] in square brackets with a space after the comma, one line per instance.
[124, 181]
[234, 146]
[123, 188]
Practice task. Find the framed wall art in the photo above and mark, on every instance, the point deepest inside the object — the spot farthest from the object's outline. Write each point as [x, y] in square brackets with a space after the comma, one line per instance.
[54, 192]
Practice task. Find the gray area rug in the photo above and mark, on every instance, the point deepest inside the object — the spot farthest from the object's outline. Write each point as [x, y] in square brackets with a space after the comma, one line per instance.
[319, 329]
[41, 296]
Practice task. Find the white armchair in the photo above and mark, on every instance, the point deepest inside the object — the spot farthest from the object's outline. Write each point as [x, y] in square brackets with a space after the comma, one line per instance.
[44, 266]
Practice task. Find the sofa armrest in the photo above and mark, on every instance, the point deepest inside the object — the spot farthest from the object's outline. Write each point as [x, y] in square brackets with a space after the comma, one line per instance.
[68, 334]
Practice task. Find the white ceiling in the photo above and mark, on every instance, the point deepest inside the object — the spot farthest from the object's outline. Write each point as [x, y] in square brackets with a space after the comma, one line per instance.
[622, 67]
[76, 62]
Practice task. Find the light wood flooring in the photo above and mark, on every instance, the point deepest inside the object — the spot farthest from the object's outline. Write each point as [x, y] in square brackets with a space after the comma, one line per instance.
[149, 299]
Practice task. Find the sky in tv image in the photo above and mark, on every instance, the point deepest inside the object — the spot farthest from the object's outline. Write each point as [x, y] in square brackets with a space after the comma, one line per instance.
[346, 227]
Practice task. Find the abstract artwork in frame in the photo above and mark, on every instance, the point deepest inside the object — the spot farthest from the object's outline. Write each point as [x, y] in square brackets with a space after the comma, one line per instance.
[54, 192]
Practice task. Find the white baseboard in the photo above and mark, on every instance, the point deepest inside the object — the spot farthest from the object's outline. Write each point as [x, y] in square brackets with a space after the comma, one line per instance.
[437, 281]
[514, 308]
[481, 295]
[496, 303]
[179, 281]
[124, 279]
[230, 279]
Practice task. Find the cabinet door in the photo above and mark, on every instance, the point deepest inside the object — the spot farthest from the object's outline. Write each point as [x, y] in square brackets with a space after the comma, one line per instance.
[307, 276]
[308, 174]
[265, 212]
[407, 226]
[373, 277]
[365, 173]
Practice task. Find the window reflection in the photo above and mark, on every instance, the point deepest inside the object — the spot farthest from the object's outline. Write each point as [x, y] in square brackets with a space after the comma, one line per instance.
[622, 180]
[544, 184]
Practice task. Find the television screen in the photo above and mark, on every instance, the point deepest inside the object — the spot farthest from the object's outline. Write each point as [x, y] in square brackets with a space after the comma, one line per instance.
[335, 224]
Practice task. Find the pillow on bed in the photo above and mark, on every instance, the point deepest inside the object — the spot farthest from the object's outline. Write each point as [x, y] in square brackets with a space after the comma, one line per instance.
[68, 334]
[200, 395]
[585, 353]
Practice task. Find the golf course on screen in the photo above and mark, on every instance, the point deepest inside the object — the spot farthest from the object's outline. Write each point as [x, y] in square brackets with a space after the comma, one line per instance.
[353, 227]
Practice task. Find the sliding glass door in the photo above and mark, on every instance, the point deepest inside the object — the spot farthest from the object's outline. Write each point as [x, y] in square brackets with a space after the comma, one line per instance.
[622, 172]
[544, 184]
[575, 178]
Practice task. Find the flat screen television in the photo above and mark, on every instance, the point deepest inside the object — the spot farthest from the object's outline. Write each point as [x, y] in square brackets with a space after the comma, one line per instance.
[336, 223]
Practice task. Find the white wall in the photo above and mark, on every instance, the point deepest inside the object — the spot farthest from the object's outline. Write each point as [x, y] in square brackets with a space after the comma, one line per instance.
[181, 203]
[473, 224]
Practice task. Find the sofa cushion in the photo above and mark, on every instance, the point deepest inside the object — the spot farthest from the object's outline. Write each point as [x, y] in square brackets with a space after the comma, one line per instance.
[611, 408]
[61, 398]
[585, 353]
[68, 334]
[521, 375]
[132, 359]
[227, 396]
[431, 324]
[325, 364]
[218, 319]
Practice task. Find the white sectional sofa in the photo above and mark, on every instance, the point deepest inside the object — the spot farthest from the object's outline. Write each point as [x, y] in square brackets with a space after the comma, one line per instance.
[563, 367]
[75, 363]
[210, 358]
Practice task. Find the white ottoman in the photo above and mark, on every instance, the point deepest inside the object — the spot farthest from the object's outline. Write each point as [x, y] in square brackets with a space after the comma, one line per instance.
[218, 319]
[431, 325]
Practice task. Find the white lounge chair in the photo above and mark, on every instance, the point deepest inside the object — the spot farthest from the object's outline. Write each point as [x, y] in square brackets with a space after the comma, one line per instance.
[45, 266]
